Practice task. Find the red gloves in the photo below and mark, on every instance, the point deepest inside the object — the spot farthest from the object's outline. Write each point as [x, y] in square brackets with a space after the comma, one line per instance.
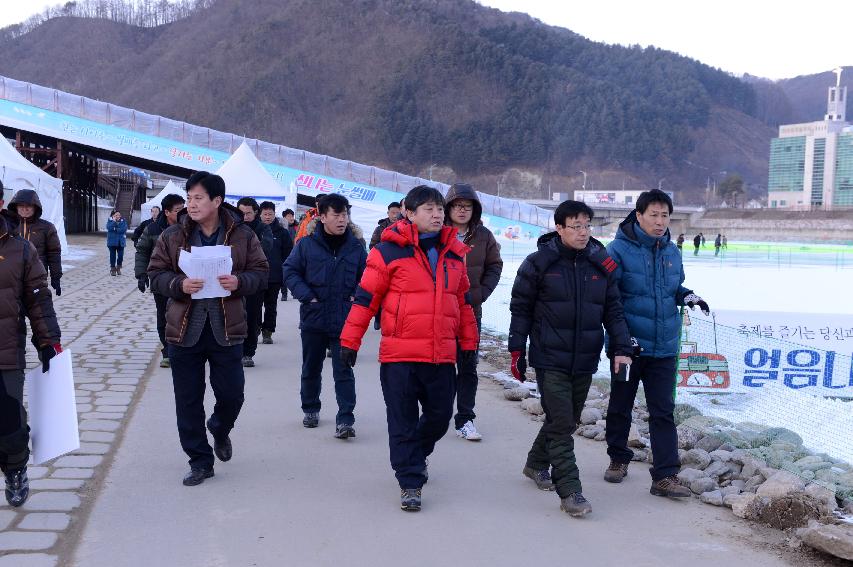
[519, 365]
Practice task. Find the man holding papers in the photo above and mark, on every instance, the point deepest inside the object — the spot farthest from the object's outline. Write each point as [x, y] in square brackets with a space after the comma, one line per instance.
[206, 318]
[23, 286]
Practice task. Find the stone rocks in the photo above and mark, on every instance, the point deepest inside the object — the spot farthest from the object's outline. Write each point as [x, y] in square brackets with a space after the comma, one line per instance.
[590, 415]
[751, 467]
[781, 483]
[532, 405]
[703, 485]
[834, 540]
[714, 498]
[592, 431]
[687, 436]
[684, 412]
[746, 506]
[753, 483]
[634, 438]
[721, 455]
[709, 443]
[688, 475]
[697, 459]
[823, 497]
[717, 469]
[516, 394]
[787, 512]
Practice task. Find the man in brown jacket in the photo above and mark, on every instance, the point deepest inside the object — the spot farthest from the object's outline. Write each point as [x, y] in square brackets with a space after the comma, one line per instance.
[23, 287]
[41, 233]
[207, 330]
[464, 212]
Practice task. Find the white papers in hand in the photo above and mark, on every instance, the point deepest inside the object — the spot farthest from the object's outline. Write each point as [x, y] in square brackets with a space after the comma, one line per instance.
[52, 409]
[207, 263]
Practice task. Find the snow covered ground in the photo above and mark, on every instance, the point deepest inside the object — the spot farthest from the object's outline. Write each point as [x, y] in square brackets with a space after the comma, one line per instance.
[75, 255]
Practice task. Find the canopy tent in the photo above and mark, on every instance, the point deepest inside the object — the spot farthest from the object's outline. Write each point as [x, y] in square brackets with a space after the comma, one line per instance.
[17, 172]
[171, 187]
[245, 176]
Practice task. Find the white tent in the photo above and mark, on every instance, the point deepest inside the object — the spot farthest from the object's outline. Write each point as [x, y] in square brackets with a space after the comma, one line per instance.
[17, 172]
[245, 177]
[171, 187]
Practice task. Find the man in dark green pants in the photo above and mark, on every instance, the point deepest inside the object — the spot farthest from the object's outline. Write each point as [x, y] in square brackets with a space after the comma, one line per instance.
[562, 295]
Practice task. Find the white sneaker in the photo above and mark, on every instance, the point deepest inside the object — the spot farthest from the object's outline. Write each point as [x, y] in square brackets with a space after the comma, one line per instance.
[469, 432]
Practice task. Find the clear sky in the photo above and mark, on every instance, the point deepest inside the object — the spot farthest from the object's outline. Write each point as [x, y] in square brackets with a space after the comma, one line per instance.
[773, 39]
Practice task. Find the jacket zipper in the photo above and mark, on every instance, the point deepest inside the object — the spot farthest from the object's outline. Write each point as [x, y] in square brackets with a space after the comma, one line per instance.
[577, 316]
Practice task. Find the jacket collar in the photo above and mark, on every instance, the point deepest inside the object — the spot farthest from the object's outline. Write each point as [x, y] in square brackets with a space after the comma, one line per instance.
[404, 233]
[629, 229]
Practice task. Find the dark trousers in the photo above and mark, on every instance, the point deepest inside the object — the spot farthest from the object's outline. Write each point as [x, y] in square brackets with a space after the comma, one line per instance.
[160, 302]
[466, 386]
[254, 309]
[314, 347]
[695, 250]
[227, 381]
[658, 376]
[412, 433]
[563, 397]
[270, 306]
[14, 432]
[116, 255]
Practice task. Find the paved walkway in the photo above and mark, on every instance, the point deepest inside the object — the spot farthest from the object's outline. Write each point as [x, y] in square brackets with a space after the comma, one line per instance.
[109, 328]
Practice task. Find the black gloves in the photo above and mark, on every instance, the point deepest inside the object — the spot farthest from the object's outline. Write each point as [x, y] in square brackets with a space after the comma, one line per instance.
[46, 353]
[142, 283]
[54, 283]
[348, 356]
[691, 300]
[468, 355]
[636, 349]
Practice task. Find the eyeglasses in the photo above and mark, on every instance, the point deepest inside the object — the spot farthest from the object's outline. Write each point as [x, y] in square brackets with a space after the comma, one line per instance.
[581, 227]
[461, 207]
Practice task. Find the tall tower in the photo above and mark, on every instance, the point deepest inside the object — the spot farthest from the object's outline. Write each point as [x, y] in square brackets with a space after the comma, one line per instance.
[836, 103]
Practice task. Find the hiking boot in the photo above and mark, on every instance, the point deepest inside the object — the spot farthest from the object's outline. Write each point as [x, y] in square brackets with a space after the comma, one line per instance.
[616, 472]
[118, 270]
[17, 487]
[469, 432]
[112, 271]
[197, 476]
[542, 478]
[165, 362]
[410, 499]
[222, 447]
[575, 505]
[248, 362]
[311, 420]
[267, 340]
[344, 431]
[670, 487]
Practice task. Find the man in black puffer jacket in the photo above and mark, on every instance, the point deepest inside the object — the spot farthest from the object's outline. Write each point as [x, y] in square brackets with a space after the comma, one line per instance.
[562, 295]
[255, 303]
[282, 244]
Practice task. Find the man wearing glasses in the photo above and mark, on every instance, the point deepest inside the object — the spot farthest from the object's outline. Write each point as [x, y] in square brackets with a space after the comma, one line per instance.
[484, 266]
[562, 295]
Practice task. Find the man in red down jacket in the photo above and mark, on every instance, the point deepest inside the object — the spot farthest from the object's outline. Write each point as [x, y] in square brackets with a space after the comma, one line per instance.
[417, 275]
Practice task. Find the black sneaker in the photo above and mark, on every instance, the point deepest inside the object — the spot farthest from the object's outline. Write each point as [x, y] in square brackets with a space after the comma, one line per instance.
[344, 431]
[17, 487]
[575, 505]
[197, 476]
[410, 499]
[248, 362]
[542, 478]
[311, 420]
[267, 337]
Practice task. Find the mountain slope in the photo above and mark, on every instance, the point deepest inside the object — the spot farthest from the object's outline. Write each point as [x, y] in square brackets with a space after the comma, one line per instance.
[409, 83]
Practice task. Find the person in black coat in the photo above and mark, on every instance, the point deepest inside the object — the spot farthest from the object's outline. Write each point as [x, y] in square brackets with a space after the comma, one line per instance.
[282, 244]
[254, 303]
[562, 295]
[322, 273]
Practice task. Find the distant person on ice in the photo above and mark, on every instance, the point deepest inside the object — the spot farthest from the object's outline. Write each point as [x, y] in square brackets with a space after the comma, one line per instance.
[562, 295]
[680, 242]
[697, 241]
[717, 243]
[208, 330]
[417, 275]
[650, 277]
[23, 283]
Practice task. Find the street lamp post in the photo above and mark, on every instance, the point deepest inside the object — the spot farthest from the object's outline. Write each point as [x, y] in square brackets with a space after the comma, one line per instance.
[584, 179]
[430, 170]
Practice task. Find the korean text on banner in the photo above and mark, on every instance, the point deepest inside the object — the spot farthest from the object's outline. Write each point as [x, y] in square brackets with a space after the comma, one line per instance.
[53, 409]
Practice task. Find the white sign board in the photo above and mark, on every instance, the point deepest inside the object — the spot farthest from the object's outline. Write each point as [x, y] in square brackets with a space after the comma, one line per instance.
[53, 409]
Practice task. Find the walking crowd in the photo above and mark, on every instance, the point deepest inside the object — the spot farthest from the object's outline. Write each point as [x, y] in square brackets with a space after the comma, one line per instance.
[422, 281]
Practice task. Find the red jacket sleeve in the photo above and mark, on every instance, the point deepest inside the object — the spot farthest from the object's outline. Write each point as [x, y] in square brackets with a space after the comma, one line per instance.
[368, 297]
[469, 336]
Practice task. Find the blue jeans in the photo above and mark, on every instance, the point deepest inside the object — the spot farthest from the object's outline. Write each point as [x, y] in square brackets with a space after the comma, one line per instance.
[314, 347]
[116, 255]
